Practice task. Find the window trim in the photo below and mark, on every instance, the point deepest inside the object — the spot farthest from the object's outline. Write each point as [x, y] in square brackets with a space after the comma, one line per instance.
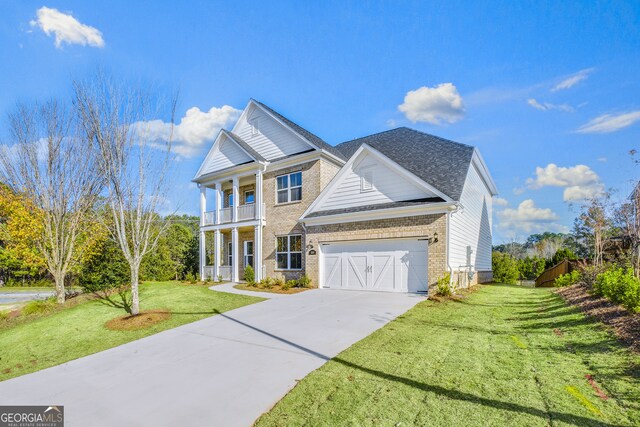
[246, 255]
[230, 253]
[288, 188]
[289, 252]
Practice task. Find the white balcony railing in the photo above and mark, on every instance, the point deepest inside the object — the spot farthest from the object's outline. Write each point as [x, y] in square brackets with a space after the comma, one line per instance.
[225, 272]
[226, 215]
[209, 272]
[210, 218]
[246, 212]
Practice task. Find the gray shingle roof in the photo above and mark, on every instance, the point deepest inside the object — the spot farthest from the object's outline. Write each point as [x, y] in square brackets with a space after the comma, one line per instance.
[314, 139]
[437, 161]
[375, 207]
[242, 143]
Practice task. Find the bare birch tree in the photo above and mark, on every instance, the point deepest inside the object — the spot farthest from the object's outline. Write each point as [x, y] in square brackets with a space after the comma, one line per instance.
[55, 171]
[114, 117]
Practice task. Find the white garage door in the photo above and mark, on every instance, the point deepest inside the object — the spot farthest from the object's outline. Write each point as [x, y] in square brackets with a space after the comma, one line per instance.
[377, 265]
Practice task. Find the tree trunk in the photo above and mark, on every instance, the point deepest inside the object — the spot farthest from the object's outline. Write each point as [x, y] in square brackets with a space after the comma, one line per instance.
[59, 279]
[135, 300]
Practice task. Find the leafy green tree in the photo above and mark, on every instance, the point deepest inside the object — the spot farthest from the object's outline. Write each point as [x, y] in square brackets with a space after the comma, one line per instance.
[531, 267]
[505, 268]
[103, 268]
[561, 255]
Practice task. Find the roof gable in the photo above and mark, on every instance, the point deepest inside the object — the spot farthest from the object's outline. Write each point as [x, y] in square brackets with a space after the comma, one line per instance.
[225, 152]
[368, 180]
[440, 162]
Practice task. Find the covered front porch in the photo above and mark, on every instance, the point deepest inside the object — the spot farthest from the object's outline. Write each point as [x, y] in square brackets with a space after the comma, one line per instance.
[228, 251]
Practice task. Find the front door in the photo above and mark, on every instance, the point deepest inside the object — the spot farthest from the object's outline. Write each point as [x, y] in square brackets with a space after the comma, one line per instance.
[248, 253]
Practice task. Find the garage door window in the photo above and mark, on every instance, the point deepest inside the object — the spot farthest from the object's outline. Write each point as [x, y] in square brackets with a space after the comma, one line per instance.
[289, 252]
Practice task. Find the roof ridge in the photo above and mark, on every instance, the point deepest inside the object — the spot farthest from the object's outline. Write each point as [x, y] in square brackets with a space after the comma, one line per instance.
[409, 129]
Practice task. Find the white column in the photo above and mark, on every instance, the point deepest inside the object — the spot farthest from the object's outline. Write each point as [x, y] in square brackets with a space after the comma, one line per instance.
[203, 254]
[235, 270]
[257, 252]
[259, 213]
[217, 254]
[236, 198]
[218, 200]
[203, 203]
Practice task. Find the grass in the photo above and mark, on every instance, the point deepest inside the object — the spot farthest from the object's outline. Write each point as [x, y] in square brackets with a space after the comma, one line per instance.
[505, 355]
[15, 289]
[52, 339]
[273, 290]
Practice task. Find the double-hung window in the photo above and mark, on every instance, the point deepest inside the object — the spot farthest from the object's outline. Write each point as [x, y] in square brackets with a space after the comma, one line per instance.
[289, 187]
[289, 252]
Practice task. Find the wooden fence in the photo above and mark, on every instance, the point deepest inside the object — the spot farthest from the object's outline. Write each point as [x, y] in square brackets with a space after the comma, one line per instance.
[551, 274]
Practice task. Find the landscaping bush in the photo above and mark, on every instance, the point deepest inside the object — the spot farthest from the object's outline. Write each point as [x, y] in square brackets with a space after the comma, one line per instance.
[531, 267]
[104, 269]
[249, 274]
[304, 281]
[505, 268]
[567, 279]
[190, 277]
[620, 286]
[39, 306]
[561, 255]
[278, 281]
[443, 287]
[290, 284]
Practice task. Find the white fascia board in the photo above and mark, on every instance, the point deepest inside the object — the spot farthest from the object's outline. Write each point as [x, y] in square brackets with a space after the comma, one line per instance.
[399, 212]
[230, 172]
[484, 172]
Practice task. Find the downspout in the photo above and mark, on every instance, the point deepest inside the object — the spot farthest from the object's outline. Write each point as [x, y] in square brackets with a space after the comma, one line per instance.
[448, 238]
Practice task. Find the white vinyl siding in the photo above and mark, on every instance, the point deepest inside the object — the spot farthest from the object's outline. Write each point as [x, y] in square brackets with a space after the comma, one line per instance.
[226, 155]
[387, 186]
[470, 228]
[269, 138]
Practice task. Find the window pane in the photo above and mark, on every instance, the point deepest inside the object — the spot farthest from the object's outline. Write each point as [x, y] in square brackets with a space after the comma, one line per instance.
[281, 260]
[250, 260]
[296, 261]
[249, 197]
[283, 182]
[282, 196]
[230, 199]
[296, 179]
[295, 243]
[249, 248]
[296, 194]
[282, 244]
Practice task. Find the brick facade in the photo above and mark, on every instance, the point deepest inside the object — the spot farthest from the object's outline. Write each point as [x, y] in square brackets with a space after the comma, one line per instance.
[417, 226]
[282, 219]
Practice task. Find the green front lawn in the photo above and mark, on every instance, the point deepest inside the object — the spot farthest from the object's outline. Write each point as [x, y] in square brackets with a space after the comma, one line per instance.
[505, 355]
[79, 330]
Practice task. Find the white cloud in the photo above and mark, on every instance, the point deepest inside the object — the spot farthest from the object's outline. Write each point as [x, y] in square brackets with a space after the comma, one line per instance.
[66, 28]
[194, 129]
[580, 182]
[572, 80]
[607, 123]
[499, 201]
[602, 159]
[546, 106]
[434, 105]
[528, 218]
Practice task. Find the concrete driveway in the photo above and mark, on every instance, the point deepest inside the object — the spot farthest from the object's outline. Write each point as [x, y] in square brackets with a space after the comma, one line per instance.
[222, 371]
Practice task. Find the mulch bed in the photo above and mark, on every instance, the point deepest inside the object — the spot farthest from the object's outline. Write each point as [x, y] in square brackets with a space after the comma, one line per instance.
[143, 320]
[625, 325]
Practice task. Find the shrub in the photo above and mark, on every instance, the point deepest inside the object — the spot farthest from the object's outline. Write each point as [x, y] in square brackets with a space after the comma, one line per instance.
[249, 274]
[443, 287]
[531, 267]
[39, 306]
[105, 269]
[561, 255]
[290, 284]
[567, 279]
[220, 278]
[190, 277]
[620, 286]
[304, 281]
[278, 281]
[505, 268]
[266, 283]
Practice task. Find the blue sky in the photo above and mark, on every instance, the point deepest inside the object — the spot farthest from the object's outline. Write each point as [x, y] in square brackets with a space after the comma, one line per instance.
[532, 84]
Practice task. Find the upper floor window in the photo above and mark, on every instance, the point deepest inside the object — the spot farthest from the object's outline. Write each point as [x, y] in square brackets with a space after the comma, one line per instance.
[249, 197]
[289, 187]
[230, 200]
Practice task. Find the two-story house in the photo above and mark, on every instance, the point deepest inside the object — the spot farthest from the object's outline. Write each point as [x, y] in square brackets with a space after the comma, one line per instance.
[393, 211]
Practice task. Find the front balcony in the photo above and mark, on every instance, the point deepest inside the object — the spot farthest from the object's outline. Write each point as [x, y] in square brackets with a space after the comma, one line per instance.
[246, 212]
